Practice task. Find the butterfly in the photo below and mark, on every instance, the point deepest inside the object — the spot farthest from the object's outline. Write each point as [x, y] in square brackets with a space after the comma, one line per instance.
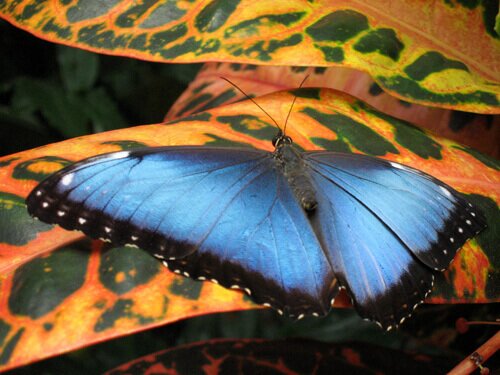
[289, 228]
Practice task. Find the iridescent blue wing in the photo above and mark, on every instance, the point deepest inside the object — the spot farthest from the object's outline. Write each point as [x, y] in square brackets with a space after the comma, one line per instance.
[386, 228]
[226, 215]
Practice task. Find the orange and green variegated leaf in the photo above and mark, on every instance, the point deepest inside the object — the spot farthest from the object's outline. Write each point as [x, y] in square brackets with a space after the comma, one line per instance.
[88, 292]
[57, 296]
[291, 356]
[436, 53]
[208, 90]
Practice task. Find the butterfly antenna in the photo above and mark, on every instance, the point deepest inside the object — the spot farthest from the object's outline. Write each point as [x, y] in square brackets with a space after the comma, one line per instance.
[253, 101]
[293, 102]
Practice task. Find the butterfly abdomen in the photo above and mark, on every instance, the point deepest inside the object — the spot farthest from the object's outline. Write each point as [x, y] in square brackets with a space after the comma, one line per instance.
[292, 165]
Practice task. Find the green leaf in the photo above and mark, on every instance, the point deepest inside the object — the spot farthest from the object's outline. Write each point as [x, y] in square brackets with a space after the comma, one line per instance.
[78, 68]
[102, 111]
[63, 111]
[15, 222]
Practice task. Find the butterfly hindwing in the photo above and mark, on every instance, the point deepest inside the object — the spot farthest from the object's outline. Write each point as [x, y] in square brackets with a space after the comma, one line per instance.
[383, 226]
[221, 214]
[384, 280]
[265, 229]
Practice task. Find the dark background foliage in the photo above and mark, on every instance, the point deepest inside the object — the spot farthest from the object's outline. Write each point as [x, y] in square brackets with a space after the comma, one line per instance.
[50, 93]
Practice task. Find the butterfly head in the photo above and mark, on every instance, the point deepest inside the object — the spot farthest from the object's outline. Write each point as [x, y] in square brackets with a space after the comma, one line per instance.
[281, 139]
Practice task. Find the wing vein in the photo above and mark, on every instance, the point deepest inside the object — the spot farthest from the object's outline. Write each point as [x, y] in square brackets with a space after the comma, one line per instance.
[231, 201]
[366, 206]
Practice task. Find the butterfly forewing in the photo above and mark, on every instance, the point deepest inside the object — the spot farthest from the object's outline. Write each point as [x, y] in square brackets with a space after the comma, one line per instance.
[125, 197]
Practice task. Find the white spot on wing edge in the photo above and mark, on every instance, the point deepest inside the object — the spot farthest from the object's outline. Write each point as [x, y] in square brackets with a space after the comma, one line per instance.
[397, 165]
[67, 179]
[119, 155]
[81, 220]
[445, 191]
[38, 193]
[61, 213]
[416, 305]
[45, 204]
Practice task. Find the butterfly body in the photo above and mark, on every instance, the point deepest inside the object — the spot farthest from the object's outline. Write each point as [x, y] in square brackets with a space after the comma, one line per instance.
[291, 163]
[290, 228]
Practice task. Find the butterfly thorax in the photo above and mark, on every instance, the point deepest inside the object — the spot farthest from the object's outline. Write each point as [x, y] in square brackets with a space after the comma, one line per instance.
[291, 163]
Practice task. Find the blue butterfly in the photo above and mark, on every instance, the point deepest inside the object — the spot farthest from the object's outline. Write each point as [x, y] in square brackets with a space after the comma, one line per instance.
[290, 228]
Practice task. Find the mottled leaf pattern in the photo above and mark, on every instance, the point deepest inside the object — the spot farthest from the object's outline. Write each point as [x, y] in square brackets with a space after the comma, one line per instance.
[87, 292]
[58, 295]
[398, 44]
[480, 131]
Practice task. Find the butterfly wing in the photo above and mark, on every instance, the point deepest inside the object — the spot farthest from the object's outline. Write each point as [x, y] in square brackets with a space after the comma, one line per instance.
[386, 227]
[226, 215]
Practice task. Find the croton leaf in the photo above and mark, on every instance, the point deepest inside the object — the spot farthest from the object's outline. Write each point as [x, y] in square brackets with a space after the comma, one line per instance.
[207, 90]
[293, 356]
[57, 295]
[442, 53]
[87, 292]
